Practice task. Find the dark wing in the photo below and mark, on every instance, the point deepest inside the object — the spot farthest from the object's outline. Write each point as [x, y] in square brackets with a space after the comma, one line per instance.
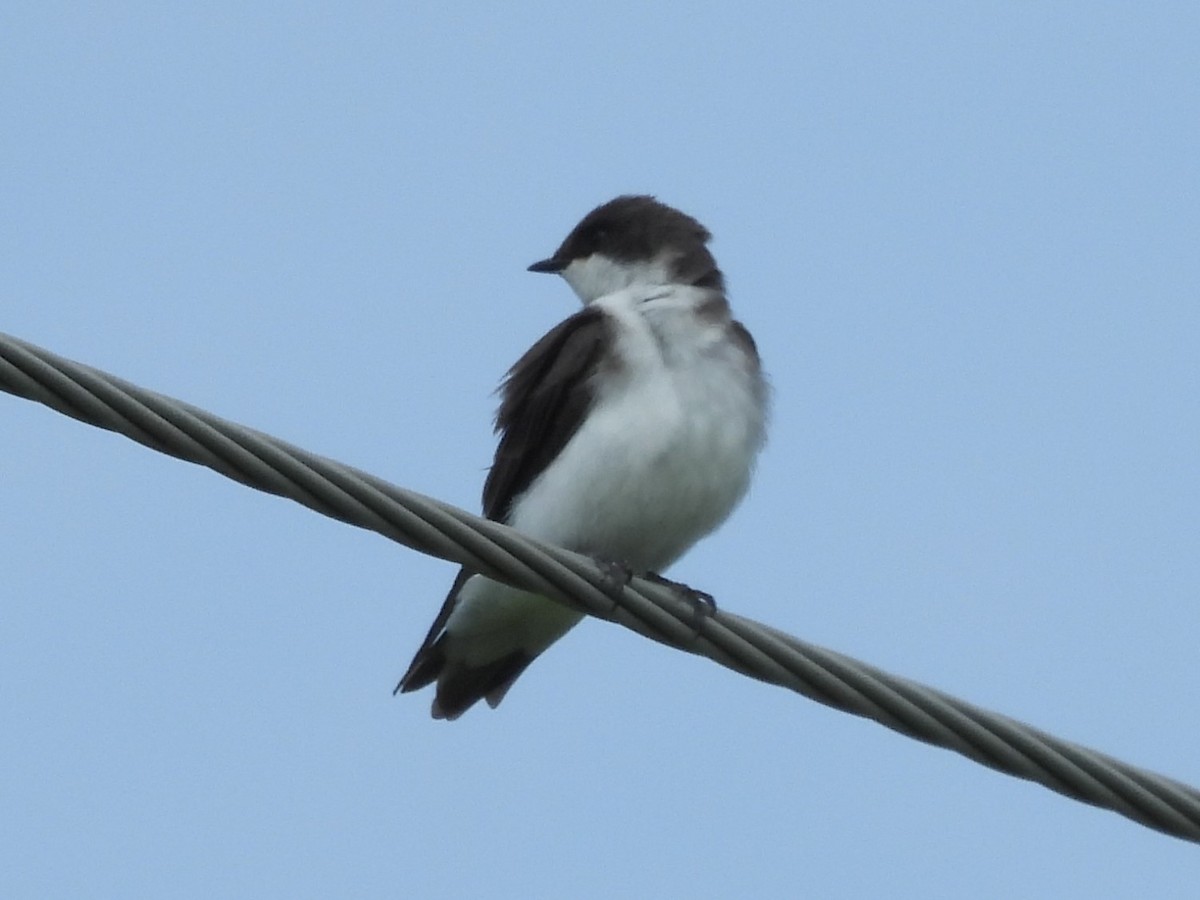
[544, 398]
[428, 662]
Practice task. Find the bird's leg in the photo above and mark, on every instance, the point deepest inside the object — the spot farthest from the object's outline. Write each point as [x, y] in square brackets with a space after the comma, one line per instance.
[615, 575]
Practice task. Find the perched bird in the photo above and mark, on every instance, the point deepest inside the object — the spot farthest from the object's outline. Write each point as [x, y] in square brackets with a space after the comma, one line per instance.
[627, 433]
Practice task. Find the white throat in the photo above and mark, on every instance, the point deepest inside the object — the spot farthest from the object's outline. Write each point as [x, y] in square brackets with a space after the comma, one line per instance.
[598, 275]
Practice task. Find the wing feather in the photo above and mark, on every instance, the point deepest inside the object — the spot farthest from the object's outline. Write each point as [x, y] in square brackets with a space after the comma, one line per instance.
[544, 399]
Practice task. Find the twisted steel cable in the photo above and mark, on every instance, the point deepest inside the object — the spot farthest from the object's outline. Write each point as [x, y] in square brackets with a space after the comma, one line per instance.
[654, 610]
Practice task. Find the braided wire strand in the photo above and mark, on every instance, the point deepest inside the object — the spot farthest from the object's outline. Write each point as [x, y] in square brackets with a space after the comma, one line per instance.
[649, 608]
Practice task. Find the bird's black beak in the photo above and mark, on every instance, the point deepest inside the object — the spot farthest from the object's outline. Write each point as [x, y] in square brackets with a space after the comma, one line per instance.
[550, 265]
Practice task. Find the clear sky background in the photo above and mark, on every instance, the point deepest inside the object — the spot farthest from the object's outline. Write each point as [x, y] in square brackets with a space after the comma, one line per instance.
[968, 242]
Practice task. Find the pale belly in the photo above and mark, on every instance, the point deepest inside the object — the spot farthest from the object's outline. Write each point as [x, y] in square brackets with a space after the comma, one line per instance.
[651, 471]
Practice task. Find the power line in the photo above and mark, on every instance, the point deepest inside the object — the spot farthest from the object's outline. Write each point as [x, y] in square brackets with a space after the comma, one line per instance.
[651, 609]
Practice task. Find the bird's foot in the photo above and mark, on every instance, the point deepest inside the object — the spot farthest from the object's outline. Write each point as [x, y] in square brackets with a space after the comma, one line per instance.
[703, 603]
[614, 575]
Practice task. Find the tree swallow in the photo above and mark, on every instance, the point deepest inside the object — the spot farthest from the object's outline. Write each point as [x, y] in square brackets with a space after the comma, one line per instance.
[627, 433]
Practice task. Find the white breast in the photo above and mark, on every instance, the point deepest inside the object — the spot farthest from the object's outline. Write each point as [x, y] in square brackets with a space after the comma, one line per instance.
[668, 447]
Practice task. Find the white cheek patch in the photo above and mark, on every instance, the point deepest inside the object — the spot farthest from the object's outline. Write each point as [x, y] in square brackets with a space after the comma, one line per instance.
[598, 275]
[594, 276]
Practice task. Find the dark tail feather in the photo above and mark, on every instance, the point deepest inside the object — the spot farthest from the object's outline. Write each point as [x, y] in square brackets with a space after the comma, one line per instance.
[459, 686]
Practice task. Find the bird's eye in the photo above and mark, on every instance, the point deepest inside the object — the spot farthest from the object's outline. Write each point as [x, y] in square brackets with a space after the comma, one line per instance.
[599, 234]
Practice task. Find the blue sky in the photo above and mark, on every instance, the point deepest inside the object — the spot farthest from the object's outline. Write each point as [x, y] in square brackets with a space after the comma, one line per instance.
[966, 240]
